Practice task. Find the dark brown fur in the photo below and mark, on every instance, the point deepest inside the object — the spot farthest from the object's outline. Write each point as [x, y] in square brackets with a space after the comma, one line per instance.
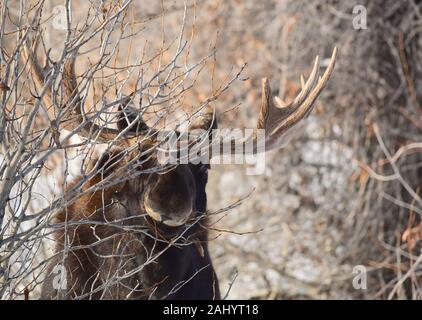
[112, 239]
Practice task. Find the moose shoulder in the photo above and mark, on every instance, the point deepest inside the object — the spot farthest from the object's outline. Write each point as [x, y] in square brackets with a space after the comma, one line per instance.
[135, 231]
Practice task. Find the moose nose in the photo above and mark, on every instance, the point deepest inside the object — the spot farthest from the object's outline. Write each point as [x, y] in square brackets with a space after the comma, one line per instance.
[171, 219]
[170, 200]
[173, 216]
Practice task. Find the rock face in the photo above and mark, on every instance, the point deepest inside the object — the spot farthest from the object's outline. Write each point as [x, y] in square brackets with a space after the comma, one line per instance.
[289, 249]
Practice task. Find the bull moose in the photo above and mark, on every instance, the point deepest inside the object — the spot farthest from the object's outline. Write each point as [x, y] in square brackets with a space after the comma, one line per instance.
[145, 237]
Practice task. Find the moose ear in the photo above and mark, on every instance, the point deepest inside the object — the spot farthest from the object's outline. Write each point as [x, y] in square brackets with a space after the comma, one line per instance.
[128, 115]
[206, 120]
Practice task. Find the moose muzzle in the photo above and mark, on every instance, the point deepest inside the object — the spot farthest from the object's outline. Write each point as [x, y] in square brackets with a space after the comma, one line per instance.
[171, 199]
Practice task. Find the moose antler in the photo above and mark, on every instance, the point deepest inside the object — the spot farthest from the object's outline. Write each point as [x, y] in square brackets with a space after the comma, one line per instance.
[277, 117]
[72, 107]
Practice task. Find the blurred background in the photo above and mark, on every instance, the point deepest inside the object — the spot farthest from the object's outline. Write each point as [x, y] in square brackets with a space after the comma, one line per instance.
[345, 192]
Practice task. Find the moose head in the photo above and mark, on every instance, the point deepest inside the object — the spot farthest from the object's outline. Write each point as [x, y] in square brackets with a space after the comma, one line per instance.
[164, 197]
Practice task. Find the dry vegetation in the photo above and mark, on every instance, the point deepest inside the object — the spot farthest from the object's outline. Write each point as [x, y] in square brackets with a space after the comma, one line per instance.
[344, 192]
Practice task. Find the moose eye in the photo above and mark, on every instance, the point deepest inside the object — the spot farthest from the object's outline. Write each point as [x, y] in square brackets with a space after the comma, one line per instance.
[144, 158]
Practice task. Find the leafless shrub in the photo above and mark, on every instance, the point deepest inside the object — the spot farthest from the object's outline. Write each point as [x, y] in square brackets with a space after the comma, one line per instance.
[41, 151]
